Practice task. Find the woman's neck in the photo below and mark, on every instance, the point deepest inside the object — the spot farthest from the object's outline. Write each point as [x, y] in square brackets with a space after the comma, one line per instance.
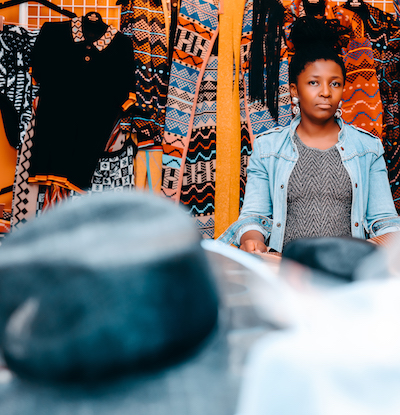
[322, 136]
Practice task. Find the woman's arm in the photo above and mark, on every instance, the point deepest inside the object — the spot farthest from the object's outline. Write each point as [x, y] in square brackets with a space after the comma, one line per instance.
[381, 215]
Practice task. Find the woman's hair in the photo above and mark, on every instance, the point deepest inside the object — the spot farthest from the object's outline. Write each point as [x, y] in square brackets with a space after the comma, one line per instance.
[316, 39]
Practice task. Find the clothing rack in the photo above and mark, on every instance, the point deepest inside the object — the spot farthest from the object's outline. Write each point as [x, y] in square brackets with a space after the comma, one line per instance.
[46, 3]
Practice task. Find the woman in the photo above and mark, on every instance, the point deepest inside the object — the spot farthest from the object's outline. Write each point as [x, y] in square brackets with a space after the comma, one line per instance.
[318, 176]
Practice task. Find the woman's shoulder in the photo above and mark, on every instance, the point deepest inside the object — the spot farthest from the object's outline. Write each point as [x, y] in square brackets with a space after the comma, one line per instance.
[362, 139]
[274, 137]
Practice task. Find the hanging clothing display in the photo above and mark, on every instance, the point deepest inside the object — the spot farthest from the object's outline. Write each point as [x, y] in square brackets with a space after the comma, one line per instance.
[389, 73]
[259, 116]
[383, 31]
[143, 21]
[190, 121]
[83, 83]
[362, 105]
[16, 45]
[9, 141]
[113, 172]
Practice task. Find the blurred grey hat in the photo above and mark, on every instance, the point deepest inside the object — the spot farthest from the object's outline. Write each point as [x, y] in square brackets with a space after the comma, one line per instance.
[118, 289]
[104, 285]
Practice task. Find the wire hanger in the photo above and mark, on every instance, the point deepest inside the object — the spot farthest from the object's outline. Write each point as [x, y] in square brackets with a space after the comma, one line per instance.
[46, 3]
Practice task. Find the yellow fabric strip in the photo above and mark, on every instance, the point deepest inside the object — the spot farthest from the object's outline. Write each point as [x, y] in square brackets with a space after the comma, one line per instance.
[227, 186]
[148, 170]
[167, 16]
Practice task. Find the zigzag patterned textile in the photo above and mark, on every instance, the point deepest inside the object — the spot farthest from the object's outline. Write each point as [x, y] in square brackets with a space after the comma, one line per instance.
[114, 172]
[246, 142]
[16, 45]
[396, 5]
[198, 186]
[389, 74]
[383, 31]
[362, 105]
[259, 116]
[196, 33]
[144, 22]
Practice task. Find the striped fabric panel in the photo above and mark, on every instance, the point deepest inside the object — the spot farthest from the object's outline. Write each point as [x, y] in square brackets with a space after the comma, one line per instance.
[144, 23]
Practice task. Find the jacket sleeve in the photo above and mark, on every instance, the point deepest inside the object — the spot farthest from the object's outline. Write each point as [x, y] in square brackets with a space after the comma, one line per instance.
[381, 215]
[256, 213]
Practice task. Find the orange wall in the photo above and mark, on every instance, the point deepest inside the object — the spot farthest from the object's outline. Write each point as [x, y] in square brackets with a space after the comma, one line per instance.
[10, 14]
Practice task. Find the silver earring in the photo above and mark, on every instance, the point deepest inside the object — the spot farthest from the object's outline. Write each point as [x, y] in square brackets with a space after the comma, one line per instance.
[339, 111]
[296, 108]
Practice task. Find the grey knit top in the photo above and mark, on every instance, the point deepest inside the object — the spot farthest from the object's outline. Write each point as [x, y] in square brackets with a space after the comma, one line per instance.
[319, 195]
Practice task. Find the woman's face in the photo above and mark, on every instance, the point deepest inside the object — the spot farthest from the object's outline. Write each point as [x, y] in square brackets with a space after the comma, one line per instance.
[319, 89]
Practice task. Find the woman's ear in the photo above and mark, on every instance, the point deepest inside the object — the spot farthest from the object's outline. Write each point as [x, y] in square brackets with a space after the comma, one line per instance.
[293, 90]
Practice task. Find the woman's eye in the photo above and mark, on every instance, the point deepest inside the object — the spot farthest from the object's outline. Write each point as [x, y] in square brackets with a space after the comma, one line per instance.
[335, 84]
[313, 83]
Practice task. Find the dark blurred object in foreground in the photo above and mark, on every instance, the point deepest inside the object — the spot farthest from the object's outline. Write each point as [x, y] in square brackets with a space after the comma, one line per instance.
[104, 285]
[337, 256]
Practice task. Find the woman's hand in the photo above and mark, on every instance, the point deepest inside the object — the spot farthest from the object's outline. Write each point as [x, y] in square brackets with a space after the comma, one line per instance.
[253, 241]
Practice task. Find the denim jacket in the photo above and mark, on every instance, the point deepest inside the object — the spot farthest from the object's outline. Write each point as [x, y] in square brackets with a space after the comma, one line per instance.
[274, 156]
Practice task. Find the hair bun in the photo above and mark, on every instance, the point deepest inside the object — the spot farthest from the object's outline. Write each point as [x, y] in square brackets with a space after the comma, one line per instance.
[310, 32]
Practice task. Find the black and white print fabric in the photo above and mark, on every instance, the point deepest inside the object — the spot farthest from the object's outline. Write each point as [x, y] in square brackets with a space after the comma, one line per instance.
[15, 80]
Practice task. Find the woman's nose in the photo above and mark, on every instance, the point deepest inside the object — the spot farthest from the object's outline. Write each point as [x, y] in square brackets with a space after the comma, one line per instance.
[325, 89]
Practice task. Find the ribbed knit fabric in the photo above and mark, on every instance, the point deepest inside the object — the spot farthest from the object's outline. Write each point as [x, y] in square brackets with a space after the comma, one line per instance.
[319, 195]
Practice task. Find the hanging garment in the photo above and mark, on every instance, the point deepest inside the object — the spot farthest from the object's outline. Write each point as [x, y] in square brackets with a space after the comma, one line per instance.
[191, 113]
[389, 74]
[82, 87]
[16, 45]
[382, 30]
[143, 21]
[260, 119]
[362, 105]
[9, 141]
[113, 172]
[396, 6]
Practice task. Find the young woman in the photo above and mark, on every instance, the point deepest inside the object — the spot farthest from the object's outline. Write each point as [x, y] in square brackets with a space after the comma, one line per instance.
[318, 176]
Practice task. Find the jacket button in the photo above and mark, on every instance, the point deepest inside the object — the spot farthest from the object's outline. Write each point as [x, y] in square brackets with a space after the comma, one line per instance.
[356, 224]
[278, 225]
[356, 185]
[282, 186]
[87, 58]
[263, 222]
[342, 148]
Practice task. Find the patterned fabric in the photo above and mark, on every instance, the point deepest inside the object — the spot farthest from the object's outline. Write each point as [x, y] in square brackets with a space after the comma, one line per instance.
[396, 5]
[143, 21]
[25, 194]
[196, 33]
[362, 105]
[318, 180]
[114, 172]
[259, 116]
[15, 81]
[383, 32]
[389, 74]
[148, 170]
[198, 187]
[100, 44]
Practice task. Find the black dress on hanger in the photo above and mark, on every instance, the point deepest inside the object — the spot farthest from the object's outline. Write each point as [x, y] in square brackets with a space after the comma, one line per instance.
[85, 74]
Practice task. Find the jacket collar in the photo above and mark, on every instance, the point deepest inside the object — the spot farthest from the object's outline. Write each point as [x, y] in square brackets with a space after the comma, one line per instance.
[100, 44]
[296, 121]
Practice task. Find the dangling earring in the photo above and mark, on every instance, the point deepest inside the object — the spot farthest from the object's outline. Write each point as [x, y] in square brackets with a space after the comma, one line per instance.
[296, 108]
[338, 112]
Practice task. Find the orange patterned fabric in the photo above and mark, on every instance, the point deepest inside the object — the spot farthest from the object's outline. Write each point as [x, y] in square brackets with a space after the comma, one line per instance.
[362, 105]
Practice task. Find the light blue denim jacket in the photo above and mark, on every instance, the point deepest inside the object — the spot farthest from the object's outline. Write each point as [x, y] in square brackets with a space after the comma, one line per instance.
[274, 156]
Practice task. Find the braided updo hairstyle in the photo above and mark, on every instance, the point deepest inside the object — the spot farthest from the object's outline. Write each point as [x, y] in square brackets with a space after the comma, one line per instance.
[316, 39]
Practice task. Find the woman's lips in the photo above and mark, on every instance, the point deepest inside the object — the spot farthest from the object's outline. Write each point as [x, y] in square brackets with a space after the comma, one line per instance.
[324, 106]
